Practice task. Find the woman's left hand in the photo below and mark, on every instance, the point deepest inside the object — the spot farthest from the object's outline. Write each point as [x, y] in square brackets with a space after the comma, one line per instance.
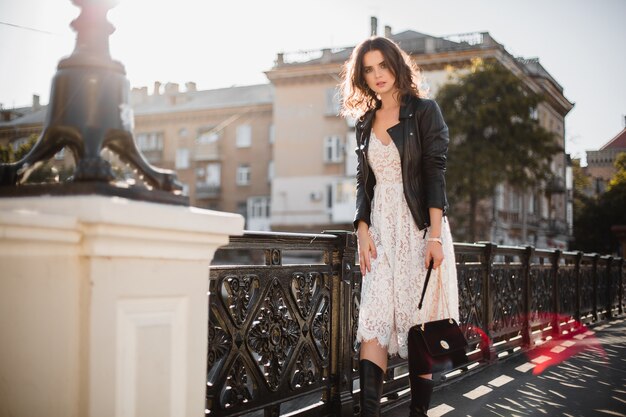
[434, 251]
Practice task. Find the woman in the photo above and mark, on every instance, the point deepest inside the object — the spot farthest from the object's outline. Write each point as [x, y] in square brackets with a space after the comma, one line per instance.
[400, 215]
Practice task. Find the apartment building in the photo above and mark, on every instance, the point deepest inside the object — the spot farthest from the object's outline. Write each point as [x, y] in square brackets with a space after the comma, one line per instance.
[283, 145]
[218, 141]
[600, 163]
[315, 163]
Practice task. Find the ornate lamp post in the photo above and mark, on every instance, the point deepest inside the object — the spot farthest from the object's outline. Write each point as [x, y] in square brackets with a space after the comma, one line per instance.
[89, 111]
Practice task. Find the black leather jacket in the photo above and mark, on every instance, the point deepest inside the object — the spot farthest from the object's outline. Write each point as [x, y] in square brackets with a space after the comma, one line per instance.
[422, 141]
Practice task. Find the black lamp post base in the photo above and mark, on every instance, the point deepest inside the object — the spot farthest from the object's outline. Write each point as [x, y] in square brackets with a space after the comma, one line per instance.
[94, 188]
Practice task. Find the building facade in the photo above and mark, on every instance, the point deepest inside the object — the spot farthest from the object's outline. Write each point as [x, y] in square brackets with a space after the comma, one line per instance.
[220, 143]
[315, 163]
[601, 163]
[284, 146]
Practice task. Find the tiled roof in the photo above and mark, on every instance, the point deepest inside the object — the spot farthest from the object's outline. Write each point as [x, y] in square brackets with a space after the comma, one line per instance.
[618, 142]
[206, 99]
[29, 117]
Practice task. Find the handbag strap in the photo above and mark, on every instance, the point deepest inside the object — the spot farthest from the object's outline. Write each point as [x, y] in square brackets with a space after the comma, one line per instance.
[443, 293]
[430, 269]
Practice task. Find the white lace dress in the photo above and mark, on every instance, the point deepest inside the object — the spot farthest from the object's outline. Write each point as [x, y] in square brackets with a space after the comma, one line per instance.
[391, 292]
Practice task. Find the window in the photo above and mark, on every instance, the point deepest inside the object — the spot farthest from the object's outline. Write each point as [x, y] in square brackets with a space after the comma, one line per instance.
[500, 197]
[182, 158]
[152, 141]
[258, 207]
[514, 204]
[244, 136]
[242, 208]
[243, 174]
[213, 174]
[270, 171]
[333, 101]
[272, 133]
[333, 149]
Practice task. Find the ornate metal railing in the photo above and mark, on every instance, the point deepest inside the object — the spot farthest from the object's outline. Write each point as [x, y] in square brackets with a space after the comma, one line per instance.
[283, 310]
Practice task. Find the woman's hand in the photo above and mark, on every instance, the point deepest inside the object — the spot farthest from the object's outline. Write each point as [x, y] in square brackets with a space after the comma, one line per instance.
[434, 251]
[367, 249]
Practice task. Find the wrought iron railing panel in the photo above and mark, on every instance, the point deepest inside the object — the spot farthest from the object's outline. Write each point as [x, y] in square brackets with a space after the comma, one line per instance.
[541, 284]
[566, 277]
[508, 306]
[283, 316]
[471, 315]
[269, 335]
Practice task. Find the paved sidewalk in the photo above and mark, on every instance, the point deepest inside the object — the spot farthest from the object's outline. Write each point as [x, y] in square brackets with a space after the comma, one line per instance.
[584, 376]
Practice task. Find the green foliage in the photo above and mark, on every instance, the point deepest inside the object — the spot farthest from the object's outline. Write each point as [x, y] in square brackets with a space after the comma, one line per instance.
[494, 137]
[593, 217]
[593, 221]
[620, 175]
[44, 173]
[8, 155]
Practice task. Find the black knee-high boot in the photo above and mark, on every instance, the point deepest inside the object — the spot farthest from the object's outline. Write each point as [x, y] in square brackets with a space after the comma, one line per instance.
[371, 381]
[421, 391]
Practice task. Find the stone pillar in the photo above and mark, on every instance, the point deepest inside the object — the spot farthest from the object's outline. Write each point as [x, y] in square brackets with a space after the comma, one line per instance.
[103, 305]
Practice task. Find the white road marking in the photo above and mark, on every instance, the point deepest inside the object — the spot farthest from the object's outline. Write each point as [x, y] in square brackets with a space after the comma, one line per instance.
[541, 359]
[501, 380]
[525, 367]
[568, 343]
[477, 392]
[440, 410]
[580, 336]
[557, 349]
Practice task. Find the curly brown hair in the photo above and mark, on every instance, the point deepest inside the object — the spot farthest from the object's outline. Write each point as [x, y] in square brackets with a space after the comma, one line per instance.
[357, 96]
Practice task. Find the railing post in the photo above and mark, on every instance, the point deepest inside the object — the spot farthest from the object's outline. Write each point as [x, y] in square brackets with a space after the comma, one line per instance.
[556, 292]
[609, 284]
[488, 351]
[341, 341]
[594, 273]
[526, 331]
[577, 313]
[620, 288]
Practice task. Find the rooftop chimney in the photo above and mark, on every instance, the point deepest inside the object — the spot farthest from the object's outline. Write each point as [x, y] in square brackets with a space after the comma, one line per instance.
[190, 86]
[36, 104]
[171, 88]
[374, 26]
[157, 88]
[387, 31]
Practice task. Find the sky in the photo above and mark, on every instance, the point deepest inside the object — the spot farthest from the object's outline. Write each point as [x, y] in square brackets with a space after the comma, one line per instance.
[223, 43]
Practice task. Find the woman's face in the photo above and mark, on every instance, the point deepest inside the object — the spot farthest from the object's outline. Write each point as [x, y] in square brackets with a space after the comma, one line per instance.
[378, 75]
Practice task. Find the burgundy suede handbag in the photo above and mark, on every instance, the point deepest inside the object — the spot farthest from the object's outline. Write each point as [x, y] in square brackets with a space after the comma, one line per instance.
[435, 345]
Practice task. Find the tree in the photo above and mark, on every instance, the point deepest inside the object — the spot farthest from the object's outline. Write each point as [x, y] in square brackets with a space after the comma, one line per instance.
[44, 173]
[620, 175]
[495, 137]
[593, 217]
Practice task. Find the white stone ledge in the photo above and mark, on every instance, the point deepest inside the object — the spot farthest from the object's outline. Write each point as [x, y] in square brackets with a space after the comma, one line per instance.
[112, 226]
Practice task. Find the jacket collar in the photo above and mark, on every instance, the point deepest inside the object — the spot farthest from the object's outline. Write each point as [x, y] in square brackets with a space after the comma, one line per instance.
[407, 107]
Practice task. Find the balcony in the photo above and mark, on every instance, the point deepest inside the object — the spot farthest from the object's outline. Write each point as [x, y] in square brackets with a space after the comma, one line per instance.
[204, 191]
[206, 151]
